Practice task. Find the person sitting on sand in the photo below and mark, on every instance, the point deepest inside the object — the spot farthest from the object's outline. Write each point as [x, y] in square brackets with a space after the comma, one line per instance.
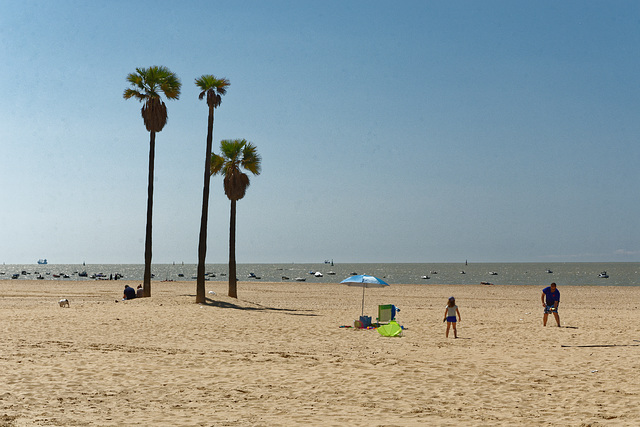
[129, 293]
[552, 295]
[139, 292]
[450, 316]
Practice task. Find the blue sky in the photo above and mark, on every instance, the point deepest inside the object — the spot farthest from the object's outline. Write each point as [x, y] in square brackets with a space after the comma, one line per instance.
[390, 131]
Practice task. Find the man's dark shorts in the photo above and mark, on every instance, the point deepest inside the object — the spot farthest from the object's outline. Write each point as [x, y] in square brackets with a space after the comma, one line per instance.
[549, 309]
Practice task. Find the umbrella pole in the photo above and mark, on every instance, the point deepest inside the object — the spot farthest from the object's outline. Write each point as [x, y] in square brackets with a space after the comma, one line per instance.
[363, 288]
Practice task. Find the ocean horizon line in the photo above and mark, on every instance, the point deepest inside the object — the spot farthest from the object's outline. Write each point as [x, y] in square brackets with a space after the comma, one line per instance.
[325, 262]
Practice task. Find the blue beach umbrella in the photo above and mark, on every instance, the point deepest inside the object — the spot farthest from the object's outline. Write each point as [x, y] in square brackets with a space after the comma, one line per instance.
[364, 281]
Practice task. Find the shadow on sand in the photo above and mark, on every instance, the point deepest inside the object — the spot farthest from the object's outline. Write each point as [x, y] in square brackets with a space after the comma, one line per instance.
[225, 304]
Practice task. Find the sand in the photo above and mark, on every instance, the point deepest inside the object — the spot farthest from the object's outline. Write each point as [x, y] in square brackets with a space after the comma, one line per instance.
[278, 357]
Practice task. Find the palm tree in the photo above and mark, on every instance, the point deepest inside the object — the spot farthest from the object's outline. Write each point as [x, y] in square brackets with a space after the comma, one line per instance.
[213, 88]
[146, 86]
[237, 154]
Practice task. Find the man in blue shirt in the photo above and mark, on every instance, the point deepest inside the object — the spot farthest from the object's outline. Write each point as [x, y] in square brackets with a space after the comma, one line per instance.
[129, 293]
[552, 295]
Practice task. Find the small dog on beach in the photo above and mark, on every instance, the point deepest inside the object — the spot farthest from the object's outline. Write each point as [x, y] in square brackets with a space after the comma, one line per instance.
[64, 302]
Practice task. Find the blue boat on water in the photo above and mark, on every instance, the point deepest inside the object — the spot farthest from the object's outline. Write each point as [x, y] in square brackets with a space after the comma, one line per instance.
[42, 261]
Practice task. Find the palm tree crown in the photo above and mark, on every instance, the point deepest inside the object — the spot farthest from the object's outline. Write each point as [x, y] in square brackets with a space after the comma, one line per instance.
[147, 84]
[213, 88]
[237, 154]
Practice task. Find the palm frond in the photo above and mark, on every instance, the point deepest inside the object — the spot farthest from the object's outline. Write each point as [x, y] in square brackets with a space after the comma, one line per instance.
[135, 79]
[232, 148]
[222, 85]
[217, 164]
[132, 93]
[251, 160]
[170, 85]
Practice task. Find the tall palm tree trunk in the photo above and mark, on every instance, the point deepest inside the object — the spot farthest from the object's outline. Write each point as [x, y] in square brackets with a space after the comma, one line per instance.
[233, 281]
[146, 291]
[202, 245]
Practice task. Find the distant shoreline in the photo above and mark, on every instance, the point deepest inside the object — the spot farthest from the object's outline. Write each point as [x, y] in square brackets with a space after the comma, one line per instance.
[582, 274]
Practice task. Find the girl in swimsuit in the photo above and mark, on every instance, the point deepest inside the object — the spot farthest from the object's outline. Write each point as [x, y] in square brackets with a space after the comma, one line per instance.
[450, 316]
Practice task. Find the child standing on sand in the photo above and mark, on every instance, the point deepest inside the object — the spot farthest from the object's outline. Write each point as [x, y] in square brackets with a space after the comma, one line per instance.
[450, 316]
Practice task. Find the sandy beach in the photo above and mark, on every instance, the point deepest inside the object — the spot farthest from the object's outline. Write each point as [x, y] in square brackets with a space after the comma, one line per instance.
[278, 357]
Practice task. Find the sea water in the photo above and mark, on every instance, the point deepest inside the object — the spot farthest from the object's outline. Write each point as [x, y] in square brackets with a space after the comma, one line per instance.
[582, 274]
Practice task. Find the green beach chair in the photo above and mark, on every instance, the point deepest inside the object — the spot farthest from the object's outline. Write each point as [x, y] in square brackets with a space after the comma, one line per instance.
[386, 313]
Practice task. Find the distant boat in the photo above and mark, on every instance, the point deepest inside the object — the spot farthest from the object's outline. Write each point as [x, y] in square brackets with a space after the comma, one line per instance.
[83, 274]
[285, 278]
[331, 273]
[603, 275]
[493, 273]
[42, 261]
[15, 276]
[425, 277]
[300, 279]
[462, 272]
[549, 271]
[318, 274]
